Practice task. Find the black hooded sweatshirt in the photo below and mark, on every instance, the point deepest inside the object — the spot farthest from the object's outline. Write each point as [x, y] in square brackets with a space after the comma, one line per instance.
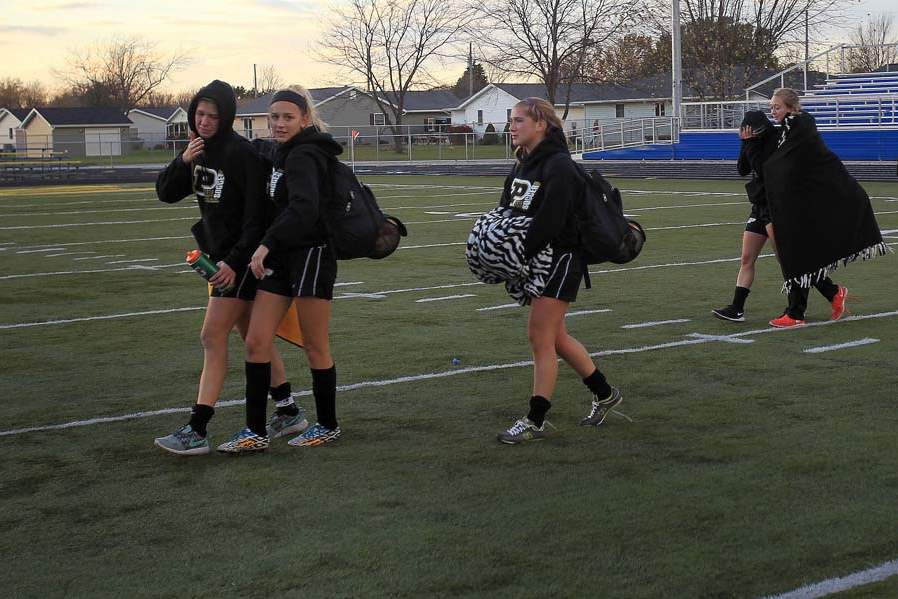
[297, 186]
[229, 183]
[546, 185]
[753, 153]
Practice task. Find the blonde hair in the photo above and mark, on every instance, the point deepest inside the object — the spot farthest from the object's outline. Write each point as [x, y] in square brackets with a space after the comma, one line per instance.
[789, 97]
[309, 110]
[540, 111]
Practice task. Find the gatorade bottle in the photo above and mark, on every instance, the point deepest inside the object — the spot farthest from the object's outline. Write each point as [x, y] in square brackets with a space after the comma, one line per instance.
[202, 264]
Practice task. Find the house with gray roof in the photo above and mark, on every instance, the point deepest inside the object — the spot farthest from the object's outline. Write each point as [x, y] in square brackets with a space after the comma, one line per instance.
[74, 132]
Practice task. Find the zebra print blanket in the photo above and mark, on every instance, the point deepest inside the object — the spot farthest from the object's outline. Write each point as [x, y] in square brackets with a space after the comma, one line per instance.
[495, 254]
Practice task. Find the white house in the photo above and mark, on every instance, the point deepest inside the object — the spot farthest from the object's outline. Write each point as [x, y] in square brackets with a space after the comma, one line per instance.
[589, 102]
[155, 125]
[10, 120]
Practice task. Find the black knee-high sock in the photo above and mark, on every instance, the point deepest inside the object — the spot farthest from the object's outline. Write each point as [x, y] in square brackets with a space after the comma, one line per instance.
[200, 415]
[598, 385]
[258, 379]
[739, 297]
[324, 388]
[539, 405]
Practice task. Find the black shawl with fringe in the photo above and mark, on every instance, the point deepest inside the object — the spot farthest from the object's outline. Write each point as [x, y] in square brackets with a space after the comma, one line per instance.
[822, 217]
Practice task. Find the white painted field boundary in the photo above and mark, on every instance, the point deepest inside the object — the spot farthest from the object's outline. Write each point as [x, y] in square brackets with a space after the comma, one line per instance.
[843, 583]
[455, 372]
[502, 307]
[75, 243]
[826, 348]
[654, 323]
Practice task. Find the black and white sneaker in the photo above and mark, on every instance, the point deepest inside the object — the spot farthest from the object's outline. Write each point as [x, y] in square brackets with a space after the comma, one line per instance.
[729, 313]
[601, 407]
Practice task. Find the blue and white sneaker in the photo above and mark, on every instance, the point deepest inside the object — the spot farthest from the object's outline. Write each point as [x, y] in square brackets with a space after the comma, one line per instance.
[184, 441]
[245, 441]
[316, 435]
[280, 425]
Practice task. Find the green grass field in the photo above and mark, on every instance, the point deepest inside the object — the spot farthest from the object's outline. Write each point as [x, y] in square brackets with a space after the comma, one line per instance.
[735, 469]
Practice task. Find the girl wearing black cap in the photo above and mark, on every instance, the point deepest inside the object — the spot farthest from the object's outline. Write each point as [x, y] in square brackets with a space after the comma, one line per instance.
[224, 172]
[293, 260]
[546, 186]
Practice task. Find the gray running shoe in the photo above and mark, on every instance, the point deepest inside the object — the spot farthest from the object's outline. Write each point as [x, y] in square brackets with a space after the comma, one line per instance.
[281, 424]
[184, 441]
[521, 431]
[600, 408]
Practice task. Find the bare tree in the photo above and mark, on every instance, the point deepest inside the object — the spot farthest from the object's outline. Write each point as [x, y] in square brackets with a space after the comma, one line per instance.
[269, 80]
[877, 44]
[387, 46]
[129, 69]
[14, 93]
[547, 39]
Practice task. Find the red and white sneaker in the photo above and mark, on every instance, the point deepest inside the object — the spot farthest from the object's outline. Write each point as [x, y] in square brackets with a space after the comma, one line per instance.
[839, 302]
[785, 321]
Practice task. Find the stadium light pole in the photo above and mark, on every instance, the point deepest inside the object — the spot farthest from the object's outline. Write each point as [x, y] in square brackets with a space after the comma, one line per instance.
[677, 60]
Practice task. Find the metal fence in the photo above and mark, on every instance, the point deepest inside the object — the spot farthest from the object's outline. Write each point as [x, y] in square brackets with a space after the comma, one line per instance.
[412, 143]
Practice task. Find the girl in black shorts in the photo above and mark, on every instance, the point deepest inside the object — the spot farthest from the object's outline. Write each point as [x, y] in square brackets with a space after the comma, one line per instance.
[758, 143]
[293, 260]
[546, 186]
[224, 173]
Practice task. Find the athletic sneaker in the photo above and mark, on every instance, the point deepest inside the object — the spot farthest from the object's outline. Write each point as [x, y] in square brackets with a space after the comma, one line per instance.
[839, 303]
[281, 425]
[245, 441]
[600, 408]
[729, 313]
[521, 431]
[184, 441]
[785, 321]
[316, 435]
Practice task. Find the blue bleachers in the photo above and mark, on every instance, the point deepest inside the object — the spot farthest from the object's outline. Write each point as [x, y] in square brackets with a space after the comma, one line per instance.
[848, 144]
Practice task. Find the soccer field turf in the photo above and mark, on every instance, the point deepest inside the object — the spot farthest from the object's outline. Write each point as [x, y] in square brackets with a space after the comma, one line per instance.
[739, 464]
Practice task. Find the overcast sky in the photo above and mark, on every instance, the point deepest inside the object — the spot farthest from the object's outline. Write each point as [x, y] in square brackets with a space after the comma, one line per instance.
[223, 37]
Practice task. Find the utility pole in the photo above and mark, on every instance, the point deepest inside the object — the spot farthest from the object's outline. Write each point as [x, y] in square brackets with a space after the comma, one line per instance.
[470, 69]
[255, 83]
[677, 59]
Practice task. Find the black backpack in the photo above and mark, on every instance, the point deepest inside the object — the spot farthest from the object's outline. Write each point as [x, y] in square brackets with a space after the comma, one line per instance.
[606, 235]
[355, 224]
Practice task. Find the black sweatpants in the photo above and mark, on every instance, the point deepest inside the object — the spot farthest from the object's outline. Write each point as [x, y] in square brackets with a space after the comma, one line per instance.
[798, 297]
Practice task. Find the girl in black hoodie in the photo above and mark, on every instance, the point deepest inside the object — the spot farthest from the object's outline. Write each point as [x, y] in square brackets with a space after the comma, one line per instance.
[547, 186]
[293, 260]
[224, 173]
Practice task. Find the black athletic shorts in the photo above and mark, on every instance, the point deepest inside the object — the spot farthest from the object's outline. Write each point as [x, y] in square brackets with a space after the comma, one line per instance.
[565, 276]
[305, 272]
[244, 287]
[758, 220]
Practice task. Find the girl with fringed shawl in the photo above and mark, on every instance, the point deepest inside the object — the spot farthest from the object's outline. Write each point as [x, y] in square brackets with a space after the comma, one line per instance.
[821, 215]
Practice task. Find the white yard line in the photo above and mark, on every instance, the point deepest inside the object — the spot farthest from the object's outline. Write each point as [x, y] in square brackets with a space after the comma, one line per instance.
[654, 323]
[134, 261]
[584, 312]
[843, 583]
[106, 211]
[838, 346]
[119, 222]
[445, 297]
[455, 372]
[70, 253]
[134, 240]
[98, 257]
[26, 325]
[501, 307]
[431, 245]
[38, 251]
